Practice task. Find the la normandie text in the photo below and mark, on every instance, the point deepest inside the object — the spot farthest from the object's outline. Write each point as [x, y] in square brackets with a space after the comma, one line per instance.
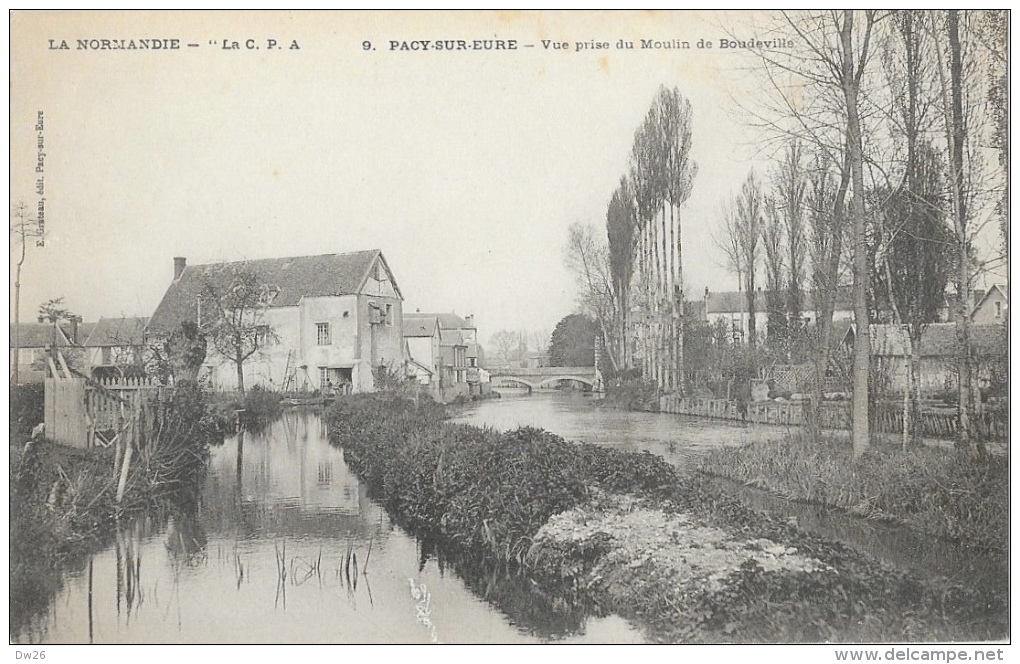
[152, 44]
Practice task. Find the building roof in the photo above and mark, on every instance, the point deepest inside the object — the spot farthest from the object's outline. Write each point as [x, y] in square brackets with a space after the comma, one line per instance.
[297, 277]
[727, 302]
[117, 332]
[420, 325]
[452, 338]
[937, 340]
[450, 321]
[40, 335]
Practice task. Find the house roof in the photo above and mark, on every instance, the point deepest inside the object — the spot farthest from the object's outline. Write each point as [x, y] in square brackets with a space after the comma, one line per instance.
[40, 335]
[117, 332]
[937, 340]
[727, 302]
[452, 338]
[297, 277]
[420, 325]
[450, 321]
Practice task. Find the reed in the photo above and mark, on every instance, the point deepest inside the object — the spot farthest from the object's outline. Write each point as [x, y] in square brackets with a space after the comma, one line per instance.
[935, 490]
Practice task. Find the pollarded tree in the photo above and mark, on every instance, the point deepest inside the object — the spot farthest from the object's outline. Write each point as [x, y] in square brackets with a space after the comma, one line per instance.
[239, 300]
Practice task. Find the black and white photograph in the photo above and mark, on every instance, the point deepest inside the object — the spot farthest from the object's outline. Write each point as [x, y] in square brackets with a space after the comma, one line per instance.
[376, 328]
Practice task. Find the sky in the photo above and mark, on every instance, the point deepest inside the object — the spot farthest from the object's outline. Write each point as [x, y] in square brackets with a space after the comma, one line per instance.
[465, 168]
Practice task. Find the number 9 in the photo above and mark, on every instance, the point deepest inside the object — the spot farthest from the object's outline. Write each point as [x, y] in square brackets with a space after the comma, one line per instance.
[366, 45]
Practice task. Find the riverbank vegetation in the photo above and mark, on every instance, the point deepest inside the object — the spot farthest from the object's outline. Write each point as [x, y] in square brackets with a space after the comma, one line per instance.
[627, 533]
[255, 408]
[936, 490]
[64, 502]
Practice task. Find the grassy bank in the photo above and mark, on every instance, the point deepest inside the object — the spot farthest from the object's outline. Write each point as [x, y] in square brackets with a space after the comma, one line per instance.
[626, 533]
[63, 504]
[934, 490]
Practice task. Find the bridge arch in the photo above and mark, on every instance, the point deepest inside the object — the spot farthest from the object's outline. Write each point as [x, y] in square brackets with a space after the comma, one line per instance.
[554, 379]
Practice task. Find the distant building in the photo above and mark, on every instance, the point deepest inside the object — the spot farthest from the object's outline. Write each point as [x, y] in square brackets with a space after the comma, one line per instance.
[116, 347]
[937, 371]
[461, 374]
[423, 337]
[731, 307]
[991, 306]
[33, 341]
[331, 320]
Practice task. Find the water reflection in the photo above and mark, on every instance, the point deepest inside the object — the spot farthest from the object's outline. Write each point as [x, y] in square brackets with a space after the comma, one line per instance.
[581, 418]
[285, 546]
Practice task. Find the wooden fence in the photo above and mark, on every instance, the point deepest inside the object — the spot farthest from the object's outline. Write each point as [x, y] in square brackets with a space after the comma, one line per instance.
[885, 418]
[87, 413]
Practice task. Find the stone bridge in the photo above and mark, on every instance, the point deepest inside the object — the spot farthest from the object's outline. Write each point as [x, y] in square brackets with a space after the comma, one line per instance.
[544, 377]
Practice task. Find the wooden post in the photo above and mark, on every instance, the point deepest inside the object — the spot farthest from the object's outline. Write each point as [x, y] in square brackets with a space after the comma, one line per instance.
[125, 467]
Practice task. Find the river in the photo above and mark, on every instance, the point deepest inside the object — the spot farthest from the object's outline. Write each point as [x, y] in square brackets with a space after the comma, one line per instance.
[286, 546]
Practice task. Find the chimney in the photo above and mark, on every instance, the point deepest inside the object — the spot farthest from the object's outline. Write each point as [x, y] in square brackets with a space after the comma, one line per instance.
[180, 263]
[470, 320]
[74, 331]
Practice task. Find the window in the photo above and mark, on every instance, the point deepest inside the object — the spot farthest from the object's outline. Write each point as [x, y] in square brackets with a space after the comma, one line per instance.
[389, 315]
[322, 335]
[107, 357]
[262, 335]
[998, 309]
[323, 376]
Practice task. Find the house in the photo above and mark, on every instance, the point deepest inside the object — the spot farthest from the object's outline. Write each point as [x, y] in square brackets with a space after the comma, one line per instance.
[991, 306]
[890, 351]
[423, 338]
[462, 365]
[326, 322]
[115, 347]
[731, 307]
[34, 339]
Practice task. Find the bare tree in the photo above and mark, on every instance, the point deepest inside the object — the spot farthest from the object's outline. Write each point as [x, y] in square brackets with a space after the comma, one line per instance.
[790, 182]
[239, 300]
[504, 344]
[23, 227]
[587, 257]
[826, 215]
[816, 94]
[968, 128]
[775, 289]
[748, 210]
[726, 238]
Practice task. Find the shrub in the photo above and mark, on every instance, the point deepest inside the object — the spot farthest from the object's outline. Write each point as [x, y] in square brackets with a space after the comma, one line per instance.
[26, 410]
[483, 492]
[633, 394]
